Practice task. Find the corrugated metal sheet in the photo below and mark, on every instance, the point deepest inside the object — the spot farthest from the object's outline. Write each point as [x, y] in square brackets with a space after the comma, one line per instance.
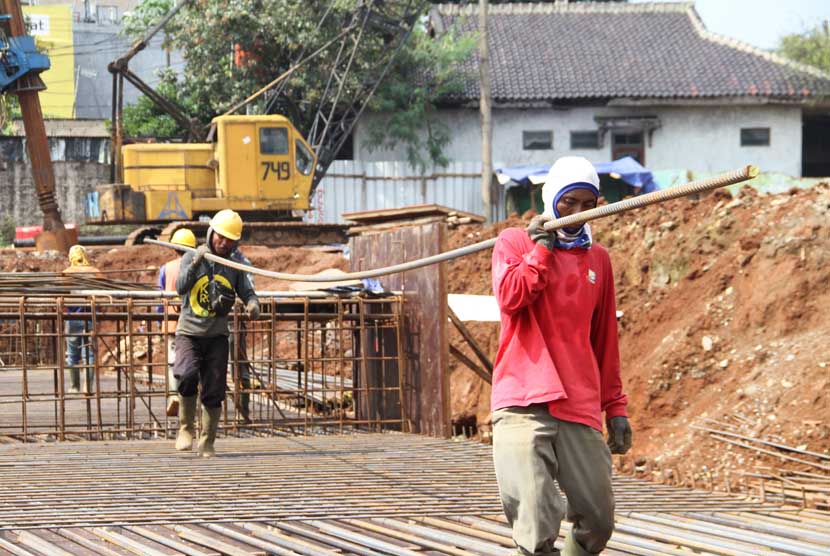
[351, 186]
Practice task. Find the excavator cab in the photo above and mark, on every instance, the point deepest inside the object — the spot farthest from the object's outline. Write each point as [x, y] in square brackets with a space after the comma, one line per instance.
[263, 159]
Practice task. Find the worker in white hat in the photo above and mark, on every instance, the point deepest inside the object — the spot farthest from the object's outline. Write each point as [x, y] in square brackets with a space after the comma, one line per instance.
[556, 372]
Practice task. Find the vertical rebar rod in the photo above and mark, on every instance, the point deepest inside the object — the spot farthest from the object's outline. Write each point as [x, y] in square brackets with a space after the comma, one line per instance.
[339, 379]
[402, 390]
[364, 367]
[24, 366]
[96, 366]
[165, 323]
[130, 369]
[306, 368]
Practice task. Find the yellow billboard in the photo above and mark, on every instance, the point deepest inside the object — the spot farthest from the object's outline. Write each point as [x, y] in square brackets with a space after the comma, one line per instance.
[51, 26]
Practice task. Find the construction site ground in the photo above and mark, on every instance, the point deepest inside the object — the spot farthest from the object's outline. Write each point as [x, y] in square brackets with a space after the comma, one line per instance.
[724, 304]
[367, 494]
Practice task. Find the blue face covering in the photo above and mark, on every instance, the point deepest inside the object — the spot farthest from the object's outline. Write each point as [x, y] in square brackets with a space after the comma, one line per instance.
[570, 238]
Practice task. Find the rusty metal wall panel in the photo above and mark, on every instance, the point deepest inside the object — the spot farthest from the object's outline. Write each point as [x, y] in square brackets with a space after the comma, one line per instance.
[425, 316]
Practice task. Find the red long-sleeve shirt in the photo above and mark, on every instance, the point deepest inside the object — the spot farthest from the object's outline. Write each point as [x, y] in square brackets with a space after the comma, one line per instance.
[558, 341]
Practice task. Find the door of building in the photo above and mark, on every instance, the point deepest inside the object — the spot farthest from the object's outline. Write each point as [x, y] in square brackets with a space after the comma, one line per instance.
[628, 143]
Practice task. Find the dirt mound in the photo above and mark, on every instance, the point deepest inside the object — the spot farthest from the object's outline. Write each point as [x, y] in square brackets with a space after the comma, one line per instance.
[724, 301]
[725, 304]
[140, 263]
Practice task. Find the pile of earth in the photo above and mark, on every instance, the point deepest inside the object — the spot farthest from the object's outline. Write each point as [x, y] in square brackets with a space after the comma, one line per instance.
[725, 307]
[724, 301]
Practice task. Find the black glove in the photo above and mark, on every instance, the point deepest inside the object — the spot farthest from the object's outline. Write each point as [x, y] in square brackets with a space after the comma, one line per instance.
[536, 231]
[201, 251]
[619, 434]
[252, 309]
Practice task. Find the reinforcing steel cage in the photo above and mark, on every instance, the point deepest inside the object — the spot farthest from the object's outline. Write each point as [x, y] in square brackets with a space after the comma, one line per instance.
[308, 365]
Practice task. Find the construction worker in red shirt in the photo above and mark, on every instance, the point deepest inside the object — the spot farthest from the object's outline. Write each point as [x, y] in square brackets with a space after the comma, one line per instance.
[168, 273]
[556, 371]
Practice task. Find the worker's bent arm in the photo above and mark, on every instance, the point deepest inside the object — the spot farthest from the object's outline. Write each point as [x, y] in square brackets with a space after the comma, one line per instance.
[519, 276]
[188, 273]
[606, 346]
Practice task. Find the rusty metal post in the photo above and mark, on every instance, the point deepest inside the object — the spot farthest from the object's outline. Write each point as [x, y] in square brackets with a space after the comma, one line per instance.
[24, 367]
[401, 363]
[342, 384]
[130, 370]
[96, 365]
[306, 364]
[54, 235]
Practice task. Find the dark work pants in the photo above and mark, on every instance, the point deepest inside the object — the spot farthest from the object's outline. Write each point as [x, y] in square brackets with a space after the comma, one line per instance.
[202, 360]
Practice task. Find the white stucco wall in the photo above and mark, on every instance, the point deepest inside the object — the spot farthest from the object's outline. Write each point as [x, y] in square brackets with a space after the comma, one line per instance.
[699, 138]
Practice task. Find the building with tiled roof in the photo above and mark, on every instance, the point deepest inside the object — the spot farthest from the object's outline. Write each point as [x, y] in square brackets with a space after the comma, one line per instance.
[603, 80]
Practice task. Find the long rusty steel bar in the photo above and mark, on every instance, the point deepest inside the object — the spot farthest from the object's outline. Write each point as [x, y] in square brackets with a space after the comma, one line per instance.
[737, 176]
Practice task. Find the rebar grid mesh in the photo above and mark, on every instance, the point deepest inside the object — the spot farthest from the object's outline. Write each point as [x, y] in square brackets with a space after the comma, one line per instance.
[315, 365]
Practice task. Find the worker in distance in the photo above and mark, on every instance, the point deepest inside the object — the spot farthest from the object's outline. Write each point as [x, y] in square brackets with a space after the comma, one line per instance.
[168, 274]
[556, 372]
[208, 293]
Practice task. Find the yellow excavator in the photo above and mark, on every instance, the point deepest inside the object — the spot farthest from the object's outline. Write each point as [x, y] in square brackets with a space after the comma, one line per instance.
[259, 165]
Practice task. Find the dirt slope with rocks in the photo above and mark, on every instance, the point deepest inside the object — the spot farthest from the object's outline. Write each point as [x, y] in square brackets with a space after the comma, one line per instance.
[725, 323]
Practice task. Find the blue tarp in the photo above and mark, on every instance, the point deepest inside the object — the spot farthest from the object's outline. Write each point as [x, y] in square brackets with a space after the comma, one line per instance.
[629, 170]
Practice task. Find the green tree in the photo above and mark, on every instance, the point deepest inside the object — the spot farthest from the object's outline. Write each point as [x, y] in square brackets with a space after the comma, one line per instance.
[409, 107]
[811, 47]
[145, 119]
[232, 49]
[9, 110]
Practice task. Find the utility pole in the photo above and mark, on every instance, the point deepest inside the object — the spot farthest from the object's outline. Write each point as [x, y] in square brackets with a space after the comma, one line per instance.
[485, 101]
[54, 235]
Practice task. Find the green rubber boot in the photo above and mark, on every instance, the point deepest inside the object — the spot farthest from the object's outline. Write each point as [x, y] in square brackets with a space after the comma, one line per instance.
[187, 420]
[210, 423]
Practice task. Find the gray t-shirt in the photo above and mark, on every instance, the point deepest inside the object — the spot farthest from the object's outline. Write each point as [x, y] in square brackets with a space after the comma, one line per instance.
[196, 318]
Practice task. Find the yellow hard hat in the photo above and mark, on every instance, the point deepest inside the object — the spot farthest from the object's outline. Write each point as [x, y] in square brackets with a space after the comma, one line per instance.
[227, 223]
[185, 237]
[77, 256]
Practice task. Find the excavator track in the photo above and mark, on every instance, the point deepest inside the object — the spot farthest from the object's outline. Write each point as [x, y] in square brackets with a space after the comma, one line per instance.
[273, 234]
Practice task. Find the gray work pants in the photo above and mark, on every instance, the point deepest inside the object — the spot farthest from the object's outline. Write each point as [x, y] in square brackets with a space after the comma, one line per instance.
[531, 449]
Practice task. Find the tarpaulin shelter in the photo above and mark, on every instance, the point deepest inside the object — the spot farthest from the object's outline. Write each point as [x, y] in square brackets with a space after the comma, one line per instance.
[618, 178]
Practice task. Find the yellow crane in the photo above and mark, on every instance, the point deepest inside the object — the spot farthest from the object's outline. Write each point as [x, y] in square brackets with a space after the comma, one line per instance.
[259, 165]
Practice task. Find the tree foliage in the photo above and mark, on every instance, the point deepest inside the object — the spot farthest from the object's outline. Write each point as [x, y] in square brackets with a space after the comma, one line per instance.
[408, 104]
[9, 110]
[145, 119]
[232, 49]
[811, 48]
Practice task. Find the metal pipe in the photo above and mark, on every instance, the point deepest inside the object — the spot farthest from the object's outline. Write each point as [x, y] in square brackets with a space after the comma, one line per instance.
[742, 174]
